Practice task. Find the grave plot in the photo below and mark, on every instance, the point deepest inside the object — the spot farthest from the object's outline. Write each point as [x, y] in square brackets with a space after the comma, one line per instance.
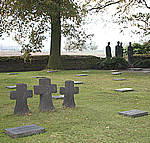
[124, 89]
[11, 87]
[81, 75]
[12, 73]
[39, 77]
[134, 113]
[116, 73]
[119, 79]
[58, 97]
[23, 131]
[78, 82]
[51, 71]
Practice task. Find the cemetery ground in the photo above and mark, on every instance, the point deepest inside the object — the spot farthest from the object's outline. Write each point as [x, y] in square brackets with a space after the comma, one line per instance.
[95, 117]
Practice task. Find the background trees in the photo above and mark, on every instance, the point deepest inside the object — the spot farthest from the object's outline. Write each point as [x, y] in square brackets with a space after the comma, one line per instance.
[33, 19]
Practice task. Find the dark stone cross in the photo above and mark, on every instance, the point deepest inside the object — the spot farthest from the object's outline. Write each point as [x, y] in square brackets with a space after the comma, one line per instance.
[69, 90]
[21, 94]
[45, 89]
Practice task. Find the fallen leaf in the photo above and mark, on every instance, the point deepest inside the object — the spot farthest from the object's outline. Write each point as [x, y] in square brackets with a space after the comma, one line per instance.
[53, 136]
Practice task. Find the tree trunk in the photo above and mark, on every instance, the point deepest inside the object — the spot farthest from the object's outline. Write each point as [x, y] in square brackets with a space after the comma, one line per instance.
[55, 48]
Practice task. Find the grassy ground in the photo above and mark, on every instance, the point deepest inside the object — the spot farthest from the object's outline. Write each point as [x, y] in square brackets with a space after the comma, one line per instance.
[95, 118]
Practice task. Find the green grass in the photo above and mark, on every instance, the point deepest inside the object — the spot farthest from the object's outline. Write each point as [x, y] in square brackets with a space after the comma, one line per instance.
[95, 118]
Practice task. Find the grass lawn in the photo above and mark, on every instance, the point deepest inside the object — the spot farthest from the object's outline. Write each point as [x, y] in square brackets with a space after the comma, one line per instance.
[95, 117]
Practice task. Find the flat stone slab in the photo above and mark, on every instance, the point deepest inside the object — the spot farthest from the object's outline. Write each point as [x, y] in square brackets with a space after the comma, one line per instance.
[23, 131]
[114, 70]
[85, 71]
[51, 71]
[137, 69]
[134, 113]
[78, 82]
[81, 75]
[12, 73]
[124, 89]
[119, 79]
[11, 87]
[58, 97]
[116, 73]
[39, 77]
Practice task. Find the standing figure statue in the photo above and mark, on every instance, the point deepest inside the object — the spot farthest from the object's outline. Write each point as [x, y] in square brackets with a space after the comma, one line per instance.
[121, 50]
[108, 51]
[130, 53]
[117, 49]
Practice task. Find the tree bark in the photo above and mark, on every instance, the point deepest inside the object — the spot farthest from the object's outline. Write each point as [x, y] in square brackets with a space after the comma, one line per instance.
[55, 62]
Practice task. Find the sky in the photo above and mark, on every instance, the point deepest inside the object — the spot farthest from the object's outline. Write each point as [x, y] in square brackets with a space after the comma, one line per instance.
[102, 35]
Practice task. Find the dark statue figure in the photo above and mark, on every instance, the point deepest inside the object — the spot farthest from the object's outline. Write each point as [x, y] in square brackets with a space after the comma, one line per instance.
[121, 50]
[108, 51]
[130, 53]
[117, 49]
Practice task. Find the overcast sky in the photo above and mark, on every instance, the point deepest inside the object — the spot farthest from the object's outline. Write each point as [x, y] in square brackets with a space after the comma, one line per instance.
[102, 35]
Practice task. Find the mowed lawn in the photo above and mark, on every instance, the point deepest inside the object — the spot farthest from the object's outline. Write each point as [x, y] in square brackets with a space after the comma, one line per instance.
[95, 117]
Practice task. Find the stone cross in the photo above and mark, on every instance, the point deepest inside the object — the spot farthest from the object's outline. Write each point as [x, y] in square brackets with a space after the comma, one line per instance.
[69, 90]
[20, 95]
[45, 89]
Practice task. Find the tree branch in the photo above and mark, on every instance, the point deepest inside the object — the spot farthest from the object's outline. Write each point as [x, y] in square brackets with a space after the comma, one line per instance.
[103, 6]
[146, 4]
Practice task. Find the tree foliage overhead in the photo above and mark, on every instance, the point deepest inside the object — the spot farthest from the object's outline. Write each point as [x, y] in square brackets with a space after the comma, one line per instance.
[128, 13]
[31, 19]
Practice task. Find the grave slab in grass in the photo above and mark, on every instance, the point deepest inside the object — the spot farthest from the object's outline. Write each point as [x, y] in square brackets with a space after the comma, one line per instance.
[134, 113]
[116, 73]
[85, 71]
[119, 79]
[23, 131]
[12, 73]
[58, 97]
[78, 82]
[39, 77]
[114, 70]
[124, 89]
[11, 87]
[81, 75]
[51, 71]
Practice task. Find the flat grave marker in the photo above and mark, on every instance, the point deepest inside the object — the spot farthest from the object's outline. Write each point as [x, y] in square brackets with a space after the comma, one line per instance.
[116, 73]
[81, 75]
[11, 87]
[85, 71]
[51, 71]
[12, 73]
[119, 79]
[20, 95]
[39, 77]
[134, 113]
[23, 131]
[124, 89]
[78, 82]
[114, 70]
[58, 97]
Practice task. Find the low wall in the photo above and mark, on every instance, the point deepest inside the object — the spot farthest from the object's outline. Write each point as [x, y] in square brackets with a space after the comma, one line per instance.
[16, 64]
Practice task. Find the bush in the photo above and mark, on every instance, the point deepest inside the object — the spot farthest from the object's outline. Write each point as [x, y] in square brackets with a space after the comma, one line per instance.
[112, 64]
[142, 63]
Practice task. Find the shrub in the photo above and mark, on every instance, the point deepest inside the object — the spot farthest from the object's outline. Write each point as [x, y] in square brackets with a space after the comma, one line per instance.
[111, 64]
[142, 63]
